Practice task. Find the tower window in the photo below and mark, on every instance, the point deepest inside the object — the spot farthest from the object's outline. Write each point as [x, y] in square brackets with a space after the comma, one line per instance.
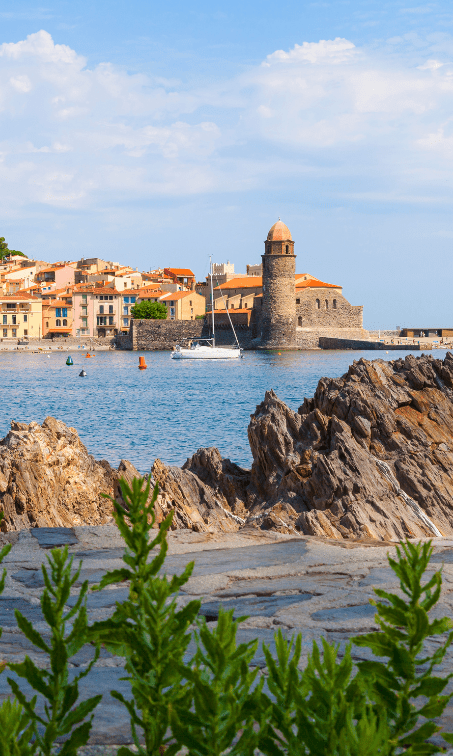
[334, 304]
[327, 304]
[287, 249]
[318, 304]
[297, 301]
[299, 321]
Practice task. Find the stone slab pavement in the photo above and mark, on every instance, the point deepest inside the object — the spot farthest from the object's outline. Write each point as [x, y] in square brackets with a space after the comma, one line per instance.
[293, 583]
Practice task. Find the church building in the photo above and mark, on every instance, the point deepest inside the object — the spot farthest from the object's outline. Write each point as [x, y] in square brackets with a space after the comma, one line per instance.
[286, 310]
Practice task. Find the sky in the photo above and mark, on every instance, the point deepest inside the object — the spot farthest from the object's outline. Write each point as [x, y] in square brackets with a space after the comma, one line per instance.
[158, 134]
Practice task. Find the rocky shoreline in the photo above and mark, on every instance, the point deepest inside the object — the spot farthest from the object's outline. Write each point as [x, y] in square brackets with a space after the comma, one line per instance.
[368, 457]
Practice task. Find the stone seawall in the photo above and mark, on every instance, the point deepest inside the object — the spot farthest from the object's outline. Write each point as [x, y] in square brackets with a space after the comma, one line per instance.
[335, 343]
[163, 334]
[307, 338]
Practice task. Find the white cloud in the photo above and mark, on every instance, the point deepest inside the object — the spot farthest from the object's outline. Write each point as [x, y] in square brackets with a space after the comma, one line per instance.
[83, 134]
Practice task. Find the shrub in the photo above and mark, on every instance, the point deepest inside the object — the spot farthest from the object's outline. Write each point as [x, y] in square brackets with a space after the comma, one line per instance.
[407, 676]
[148, 629]
[63, 716]
[149, 311]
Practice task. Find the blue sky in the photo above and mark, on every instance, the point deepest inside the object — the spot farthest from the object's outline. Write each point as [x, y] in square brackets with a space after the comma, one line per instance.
[158, 134]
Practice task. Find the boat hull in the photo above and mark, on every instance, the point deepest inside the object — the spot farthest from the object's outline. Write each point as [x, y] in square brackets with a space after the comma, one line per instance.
[206, 353]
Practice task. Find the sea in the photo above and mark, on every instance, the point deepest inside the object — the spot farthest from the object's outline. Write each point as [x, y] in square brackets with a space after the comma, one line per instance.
[169, 410]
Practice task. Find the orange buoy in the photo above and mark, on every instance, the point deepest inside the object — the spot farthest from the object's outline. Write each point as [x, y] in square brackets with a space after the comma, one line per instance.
[141, 363]
[279, 354]
[88, 355]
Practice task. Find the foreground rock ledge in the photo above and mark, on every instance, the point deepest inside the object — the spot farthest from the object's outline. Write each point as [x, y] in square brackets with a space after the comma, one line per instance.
[368, 457]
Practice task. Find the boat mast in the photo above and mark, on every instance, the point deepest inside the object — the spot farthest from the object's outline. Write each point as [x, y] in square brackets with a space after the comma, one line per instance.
[212, 304]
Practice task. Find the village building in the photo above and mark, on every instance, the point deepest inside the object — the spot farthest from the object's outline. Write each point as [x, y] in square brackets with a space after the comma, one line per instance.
[184, 305]
[182, 276]
[21, 317]
[97, 311]
[56, 276]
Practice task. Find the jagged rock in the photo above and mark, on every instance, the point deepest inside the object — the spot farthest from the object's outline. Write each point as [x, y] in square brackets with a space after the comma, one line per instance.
[205, 495]
[369, 456]
[47, 478]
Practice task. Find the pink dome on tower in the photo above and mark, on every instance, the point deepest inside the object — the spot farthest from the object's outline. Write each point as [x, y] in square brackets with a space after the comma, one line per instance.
[279, 232]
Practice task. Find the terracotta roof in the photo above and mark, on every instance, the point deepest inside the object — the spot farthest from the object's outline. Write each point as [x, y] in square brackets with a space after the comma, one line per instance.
[56, 303]
[180, 271]
[100, 290]
[175, 295]
[315, 284]
[246, 282]
[279, 232]
[231, 309]
[19, 295]
[53, 268]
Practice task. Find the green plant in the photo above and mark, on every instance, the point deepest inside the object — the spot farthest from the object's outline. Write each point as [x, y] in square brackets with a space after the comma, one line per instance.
[5, 252]
[63, 716]
[148, 629]
[221, 685]
[5, 550]
[149, 311]
[16, 730]
[320, 711]
[408, 674]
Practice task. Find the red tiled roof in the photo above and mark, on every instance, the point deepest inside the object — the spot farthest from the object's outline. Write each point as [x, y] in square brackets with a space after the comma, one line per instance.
[243, 282]
[175, 295]
[315, 284]
[180, 271]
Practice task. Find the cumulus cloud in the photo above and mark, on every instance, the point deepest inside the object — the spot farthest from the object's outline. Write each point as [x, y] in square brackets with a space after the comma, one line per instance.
[73, 135]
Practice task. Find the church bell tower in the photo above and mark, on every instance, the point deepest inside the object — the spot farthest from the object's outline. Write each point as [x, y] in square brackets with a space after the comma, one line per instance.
[278, 321]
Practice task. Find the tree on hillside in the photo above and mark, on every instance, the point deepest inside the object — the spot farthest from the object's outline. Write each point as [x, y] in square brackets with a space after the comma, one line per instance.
[149, 311]
[5, 252]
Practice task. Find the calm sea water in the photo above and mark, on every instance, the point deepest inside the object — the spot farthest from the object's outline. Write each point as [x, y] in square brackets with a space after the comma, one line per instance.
[167, 411]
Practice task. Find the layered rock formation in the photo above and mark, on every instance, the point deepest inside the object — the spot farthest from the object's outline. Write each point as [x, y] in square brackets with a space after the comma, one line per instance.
[369, 456]
[47, 478]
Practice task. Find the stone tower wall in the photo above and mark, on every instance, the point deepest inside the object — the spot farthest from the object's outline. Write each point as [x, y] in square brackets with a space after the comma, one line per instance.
[278, 321]
[334, 310]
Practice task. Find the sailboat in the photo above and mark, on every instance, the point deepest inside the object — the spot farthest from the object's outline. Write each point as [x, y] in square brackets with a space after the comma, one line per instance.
[205, 349]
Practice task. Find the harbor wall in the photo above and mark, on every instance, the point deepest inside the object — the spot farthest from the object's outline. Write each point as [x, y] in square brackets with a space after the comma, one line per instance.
[335, 343]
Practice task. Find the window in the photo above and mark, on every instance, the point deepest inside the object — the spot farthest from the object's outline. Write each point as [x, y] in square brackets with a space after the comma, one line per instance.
[25, 332]
[287, 249]
[84, 298]
[125, 310]
[84, 322]
[64, 312]
[126, 321]
[5, 319]
[334, 304]
[190, 303]
[110, 321]
[327, 304]
[84, 310]
[14, 319]
[11, 306]
[58, 323]
[297, 301]
[101, 308]
[47, 324]
[110, 297]
[25, 318]
[126, 299]
[110, 308]
[133, 300]
[58, 312]
[5, 332]
[299, 321]
[65, 322]
[318, 304]
[14, 332]
[172, 313]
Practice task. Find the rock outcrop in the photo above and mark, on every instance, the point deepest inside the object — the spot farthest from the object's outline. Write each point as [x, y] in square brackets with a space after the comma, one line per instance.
[370, 456]
[47, 478]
